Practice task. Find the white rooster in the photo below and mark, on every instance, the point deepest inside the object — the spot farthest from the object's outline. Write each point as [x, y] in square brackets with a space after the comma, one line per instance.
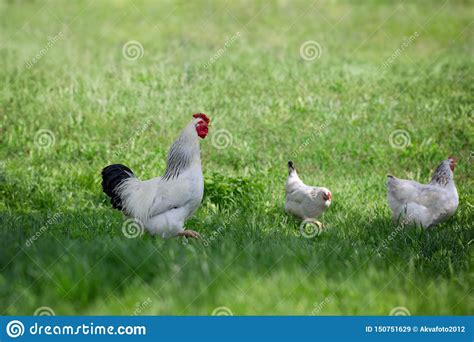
[424, 204]
[163, 204]
[303, 201]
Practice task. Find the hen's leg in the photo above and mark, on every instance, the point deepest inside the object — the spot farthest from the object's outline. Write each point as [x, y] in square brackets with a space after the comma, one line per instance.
[190, 233]
[319, 224]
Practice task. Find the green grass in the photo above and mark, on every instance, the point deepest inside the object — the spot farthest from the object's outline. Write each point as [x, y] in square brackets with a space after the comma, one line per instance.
[333, 117]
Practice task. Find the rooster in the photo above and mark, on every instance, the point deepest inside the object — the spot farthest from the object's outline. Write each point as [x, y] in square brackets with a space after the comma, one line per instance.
[303, 201]
[163, 204]
[424, 204]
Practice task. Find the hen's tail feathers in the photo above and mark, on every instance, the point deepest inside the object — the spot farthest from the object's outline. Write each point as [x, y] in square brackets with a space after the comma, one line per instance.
[291, 167]
[390, 180]
[112, 177]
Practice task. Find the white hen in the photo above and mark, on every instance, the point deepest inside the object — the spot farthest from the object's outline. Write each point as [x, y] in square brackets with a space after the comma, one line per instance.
[163, 204]
[424, 204]
[303, 201]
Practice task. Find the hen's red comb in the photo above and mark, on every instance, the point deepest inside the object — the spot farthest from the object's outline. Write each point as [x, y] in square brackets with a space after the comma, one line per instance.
[452, 158]
[202, 116]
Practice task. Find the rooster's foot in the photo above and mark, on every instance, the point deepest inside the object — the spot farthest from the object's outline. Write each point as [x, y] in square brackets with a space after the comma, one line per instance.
[190, 234]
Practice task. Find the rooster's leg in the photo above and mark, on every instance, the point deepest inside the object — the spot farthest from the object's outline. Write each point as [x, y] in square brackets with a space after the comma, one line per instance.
[190, 233]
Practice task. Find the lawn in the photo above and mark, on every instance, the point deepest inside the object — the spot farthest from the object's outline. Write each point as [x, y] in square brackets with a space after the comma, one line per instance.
[349, 91]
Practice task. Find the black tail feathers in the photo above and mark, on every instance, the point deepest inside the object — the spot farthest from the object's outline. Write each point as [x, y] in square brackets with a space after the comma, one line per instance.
[112, 177]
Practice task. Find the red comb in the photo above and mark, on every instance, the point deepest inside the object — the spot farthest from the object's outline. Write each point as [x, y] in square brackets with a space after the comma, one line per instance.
[202, 116]
[451, 157]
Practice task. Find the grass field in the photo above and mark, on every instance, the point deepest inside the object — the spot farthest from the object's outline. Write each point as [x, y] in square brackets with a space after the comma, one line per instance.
[386, 88]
